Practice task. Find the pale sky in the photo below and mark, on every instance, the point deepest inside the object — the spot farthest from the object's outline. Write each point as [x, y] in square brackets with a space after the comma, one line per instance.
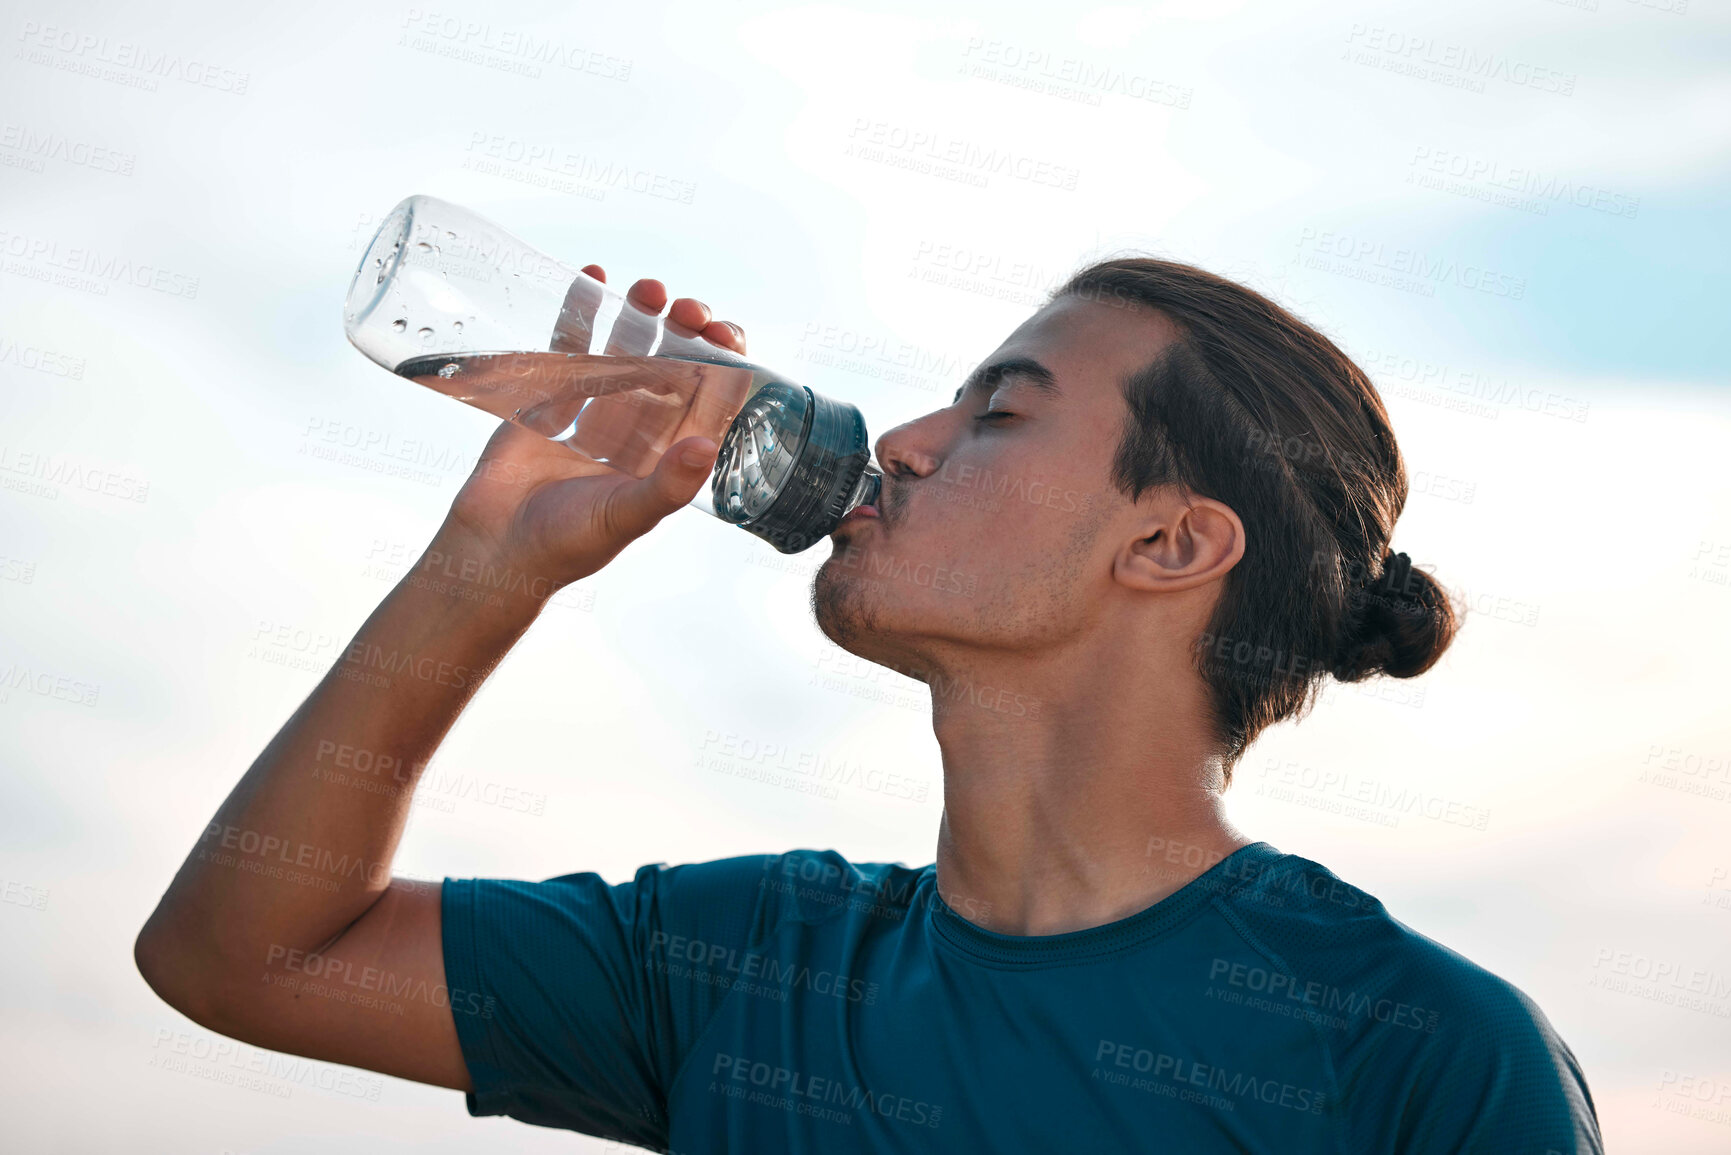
[1513, 214]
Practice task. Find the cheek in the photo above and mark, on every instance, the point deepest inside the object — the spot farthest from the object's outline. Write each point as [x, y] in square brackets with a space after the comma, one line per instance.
[1016, 559]
[1002, 512]
[986, 482]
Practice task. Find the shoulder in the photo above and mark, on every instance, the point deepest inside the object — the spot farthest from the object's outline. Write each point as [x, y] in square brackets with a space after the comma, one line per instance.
[1424, 1040]
[746, 896]
[1302, 915]
[814, 886]
[754, 896]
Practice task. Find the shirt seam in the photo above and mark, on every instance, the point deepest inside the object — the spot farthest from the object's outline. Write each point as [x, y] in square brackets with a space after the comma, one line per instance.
[1236, 921]
[732, 990]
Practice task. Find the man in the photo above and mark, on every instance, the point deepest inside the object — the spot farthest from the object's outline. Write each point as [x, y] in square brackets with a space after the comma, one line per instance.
[1173, 500]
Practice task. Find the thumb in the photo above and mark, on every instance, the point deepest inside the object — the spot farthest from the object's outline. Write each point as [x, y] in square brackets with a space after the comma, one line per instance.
[634, 509]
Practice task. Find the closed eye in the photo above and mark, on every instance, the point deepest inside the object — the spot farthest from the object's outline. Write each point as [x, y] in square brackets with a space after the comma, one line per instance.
[993, 414]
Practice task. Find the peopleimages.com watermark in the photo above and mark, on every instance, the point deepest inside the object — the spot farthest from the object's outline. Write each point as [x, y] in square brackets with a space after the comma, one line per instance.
[39, 359]
[434, 787]
[842, 672]
[1669, 981]
[892, 894]
[986, 274]
[1189, 1080]
[286, 858]
[86, 268]
[465, 577]
[1719, 888]
[762, 1084]
[1477, 392]
[383, 451]
[1062, 77]
[1262, 988]
[933, 152]
[1687, 771]
[1711, 562]
[987, 489]
[1694, 1096]
[751, 972]
[291, 646]
[1367, 799]
[518, 51]
[25, 678]
[132, 65]
[29, 148]
[249, 1068]
[880, 357]
[1407, 268]
[13, 569]
[549, 165]
[1458, 66]
[879, 568]
[803, 770]
[15, 893]
[38, 474]
[365, 987]
[1521, 187]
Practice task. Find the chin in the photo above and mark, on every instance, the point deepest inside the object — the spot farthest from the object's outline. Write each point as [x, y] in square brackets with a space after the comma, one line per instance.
[843, 605]
[863, 616]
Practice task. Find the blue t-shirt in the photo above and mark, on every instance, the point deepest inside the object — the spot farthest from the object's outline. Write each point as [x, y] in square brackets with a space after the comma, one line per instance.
[802, 1003]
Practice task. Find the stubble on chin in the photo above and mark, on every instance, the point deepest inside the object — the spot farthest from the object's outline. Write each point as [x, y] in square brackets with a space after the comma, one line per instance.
[841, 607]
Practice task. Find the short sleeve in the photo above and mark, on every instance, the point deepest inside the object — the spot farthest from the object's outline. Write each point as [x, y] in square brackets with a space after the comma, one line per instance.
[566, 1011]
[1508, 1086]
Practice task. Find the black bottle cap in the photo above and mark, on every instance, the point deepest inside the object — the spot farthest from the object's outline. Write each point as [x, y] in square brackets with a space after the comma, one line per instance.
[833, 454]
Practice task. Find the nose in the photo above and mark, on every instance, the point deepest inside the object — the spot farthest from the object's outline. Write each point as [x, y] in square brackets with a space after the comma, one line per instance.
[912, 449]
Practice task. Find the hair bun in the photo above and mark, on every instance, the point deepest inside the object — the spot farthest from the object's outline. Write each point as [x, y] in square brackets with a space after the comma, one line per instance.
[1398, 625]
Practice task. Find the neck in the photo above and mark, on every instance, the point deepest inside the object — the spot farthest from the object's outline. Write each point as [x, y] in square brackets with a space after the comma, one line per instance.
[1076, 791]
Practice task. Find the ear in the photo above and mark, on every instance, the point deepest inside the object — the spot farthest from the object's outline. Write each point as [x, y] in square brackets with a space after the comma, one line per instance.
[1182, 542]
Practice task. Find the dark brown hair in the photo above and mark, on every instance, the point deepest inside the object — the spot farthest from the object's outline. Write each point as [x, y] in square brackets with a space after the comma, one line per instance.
[1256, 409]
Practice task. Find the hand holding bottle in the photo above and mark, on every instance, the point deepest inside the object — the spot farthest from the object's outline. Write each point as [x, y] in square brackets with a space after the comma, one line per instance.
[456, 304]
[533, 506]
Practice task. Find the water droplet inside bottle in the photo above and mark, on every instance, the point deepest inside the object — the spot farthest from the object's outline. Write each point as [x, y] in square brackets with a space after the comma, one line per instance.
[457, 326]
[424, 334]
[424, 246]
[399, 324]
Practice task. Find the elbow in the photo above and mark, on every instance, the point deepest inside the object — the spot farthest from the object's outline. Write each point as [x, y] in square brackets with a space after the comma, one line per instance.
[152, 955]
[148, 955]
[173, 972]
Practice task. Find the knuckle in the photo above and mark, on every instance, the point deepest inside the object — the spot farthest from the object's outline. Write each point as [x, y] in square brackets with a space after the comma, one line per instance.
[604, 518]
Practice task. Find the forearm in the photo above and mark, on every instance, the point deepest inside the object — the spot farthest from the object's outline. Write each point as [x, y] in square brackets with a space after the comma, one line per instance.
[302, 846]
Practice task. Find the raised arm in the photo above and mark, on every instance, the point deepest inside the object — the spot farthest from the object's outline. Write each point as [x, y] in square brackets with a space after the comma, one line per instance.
[284, 928]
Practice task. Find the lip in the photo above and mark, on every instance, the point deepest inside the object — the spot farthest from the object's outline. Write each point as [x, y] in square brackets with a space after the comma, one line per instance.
[859, 513]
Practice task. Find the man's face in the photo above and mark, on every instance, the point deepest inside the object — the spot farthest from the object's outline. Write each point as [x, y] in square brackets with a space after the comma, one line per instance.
[998, 520]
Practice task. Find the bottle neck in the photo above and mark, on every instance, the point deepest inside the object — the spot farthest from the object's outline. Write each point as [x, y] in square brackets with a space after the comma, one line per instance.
[865, 491]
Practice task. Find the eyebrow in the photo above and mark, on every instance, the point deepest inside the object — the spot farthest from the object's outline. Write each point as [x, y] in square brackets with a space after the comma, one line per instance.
[1026, 368]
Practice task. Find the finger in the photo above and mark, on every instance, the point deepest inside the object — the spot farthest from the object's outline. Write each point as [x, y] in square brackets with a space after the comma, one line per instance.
[688, 316]
[634, 509]
[648, 294]
[725, 333]
[596, 271]
[635, 329]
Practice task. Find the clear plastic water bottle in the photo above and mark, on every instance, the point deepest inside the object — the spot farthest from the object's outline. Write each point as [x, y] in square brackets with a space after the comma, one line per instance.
[453, 302]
